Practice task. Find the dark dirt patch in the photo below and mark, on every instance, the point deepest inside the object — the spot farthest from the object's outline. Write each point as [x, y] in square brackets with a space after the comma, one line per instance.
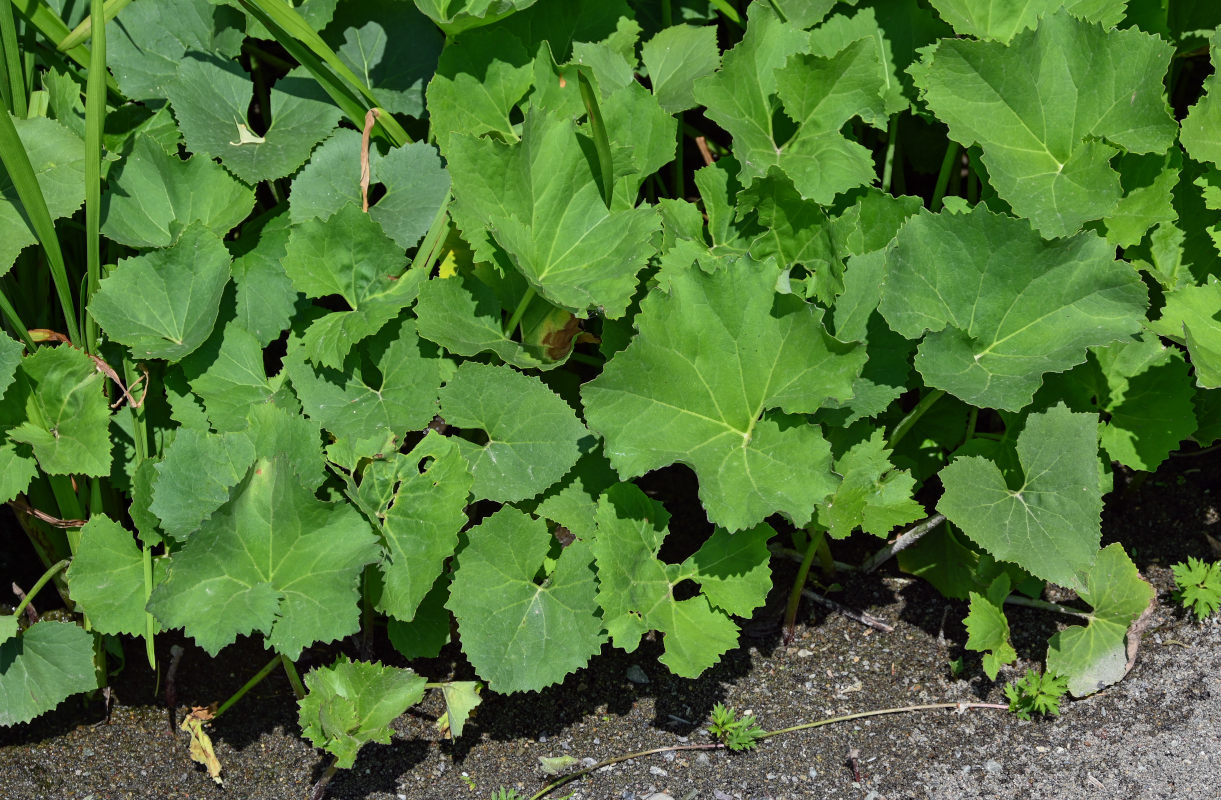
[1156, 734]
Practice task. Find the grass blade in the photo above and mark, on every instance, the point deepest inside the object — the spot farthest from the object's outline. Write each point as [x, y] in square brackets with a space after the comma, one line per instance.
[21, 173]
[601, 141]
[54, 29]
[304, 44]
[81, 33]
[12, 77]
[95, 122]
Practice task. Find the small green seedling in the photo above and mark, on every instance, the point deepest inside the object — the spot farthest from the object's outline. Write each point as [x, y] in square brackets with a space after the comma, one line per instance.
[1036, 694]
[737, 734]
[1199, 586]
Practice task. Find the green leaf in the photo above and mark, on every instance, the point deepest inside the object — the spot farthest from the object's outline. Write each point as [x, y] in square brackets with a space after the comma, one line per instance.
[414, 181]
[1199, 128]
[146, 42]
[1046, 145]
[455, 16]
[819, 93]
[714, 362]
[10, 360]
[676, 57]
[1149, 183]
[42, 667]
[532, 434]
[163, 304]
[573, 502]
[415, 186]
[461, 698]
[988, 628]
[480, 78]
[1047, 522]
[428, 631]
[17, 469]
[273, 559]
[873, 496]
[228, 375]
[636, 590]
[348, 255]
[107, 578]
[987, 19]
[840, 31]
[796, 232]
[1097, 655]
[1192, 316]
[540, 200]
[389, 46]
[211, 99]
[520, 634]
[1002, 305]
[154, 196]
[1149, 402]
[56, 406]
[266, 299]
[465, 316]
[803, 13]
[420, 500]
[8, 627]
[194, 478]
[367, 406]
[352, 703]
[57, 157]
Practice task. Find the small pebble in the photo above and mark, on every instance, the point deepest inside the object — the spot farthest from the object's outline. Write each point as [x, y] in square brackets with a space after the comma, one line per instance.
[658, 771]
[636, 675]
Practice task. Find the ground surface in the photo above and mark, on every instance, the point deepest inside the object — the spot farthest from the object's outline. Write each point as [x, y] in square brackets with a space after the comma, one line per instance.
[1157, 734]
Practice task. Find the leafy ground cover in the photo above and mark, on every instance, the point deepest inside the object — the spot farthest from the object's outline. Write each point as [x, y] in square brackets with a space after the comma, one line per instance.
[373, 319]
[1151, 735]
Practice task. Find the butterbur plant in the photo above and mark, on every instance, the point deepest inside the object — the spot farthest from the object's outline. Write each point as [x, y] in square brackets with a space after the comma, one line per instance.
[307, 336]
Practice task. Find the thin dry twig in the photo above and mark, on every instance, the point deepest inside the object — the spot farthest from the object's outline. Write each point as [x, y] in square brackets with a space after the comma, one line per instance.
[370, 117]
[30, 612]
[850, 613]
[705, 153]
[109, 372]
[56, 522]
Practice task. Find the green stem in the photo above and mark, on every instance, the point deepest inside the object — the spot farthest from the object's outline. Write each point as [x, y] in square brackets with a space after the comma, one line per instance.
[913, 417]
[892, 140]
[878, 713]
[150, 623]
[81, 33]
[972, 419]
[943, 177]
[41, 582]
[293, 678]
[1043, 605]
[817, 540]
[248, 685]
[679, 179]
[518, 312]
[427, 251]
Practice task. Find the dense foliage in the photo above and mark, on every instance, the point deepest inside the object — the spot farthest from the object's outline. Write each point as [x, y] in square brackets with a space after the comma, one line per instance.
[297, 368]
